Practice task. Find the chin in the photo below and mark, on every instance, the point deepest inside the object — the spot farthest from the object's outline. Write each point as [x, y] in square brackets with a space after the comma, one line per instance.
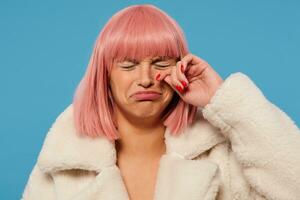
[145, 112]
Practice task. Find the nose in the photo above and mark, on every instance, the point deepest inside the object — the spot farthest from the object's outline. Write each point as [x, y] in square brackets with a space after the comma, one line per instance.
[146, 76]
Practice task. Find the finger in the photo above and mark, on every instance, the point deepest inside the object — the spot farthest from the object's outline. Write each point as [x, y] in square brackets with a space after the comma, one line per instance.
[169, 80]
[179, 86]
[191, 59]
[195, 69]
[173, 80]
[180, 75]
[163, 73]
[164, 77]
[178, 79]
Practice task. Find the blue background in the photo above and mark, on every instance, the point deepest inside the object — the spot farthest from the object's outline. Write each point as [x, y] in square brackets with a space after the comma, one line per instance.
[45, 48]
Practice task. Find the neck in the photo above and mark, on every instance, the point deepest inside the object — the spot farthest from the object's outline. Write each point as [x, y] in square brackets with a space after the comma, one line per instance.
[140, 140]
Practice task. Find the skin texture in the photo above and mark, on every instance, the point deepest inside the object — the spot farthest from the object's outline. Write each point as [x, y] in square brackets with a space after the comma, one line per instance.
[128, 77]
[138, 120]
[201, 79]
[141, 130]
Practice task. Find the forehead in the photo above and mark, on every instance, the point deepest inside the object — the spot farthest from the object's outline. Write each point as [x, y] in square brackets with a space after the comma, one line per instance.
[148, 58]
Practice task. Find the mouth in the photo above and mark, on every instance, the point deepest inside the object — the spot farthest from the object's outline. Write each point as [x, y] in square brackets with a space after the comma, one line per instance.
[146, 96]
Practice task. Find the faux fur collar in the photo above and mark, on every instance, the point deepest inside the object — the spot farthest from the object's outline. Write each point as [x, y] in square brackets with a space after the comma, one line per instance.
[64, 149]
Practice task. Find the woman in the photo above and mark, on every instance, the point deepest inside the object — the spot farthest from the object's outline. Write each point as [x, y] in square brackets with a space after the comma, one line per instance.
[150, 120]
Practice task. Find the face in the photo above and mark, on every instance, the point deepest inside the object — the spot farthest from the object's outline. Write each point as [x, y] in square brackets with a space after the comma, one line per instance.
[129, 77]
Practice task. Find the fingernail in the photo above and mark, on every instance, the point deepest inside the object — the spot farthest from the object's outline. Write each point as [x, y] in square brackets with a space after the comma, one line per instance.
[179, 88]
[157, 77]
[183, 83]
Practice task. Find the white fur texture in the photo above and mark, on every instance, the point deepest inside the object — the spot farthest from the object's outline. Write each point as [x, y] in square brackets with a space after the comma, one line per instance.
[240, 147]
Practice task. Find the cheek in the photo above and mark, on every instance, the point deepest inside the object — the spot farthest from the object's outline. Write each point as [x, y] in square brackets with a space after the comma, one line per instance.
[168, 92]
[120, 87]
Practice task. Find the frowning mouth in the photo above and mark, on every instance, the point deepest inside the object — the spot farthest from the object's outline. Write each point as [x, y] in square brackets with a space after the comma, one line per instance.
[146, 96]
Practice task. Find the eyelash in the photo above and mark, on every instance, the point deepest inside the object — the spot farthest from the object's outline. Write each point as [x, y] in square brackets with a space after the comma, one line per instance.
[128, 67]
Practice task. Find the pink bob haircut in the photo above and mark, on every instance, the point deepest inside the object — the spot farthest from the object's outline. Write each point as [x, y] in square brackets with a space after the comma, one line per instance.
[134, 32]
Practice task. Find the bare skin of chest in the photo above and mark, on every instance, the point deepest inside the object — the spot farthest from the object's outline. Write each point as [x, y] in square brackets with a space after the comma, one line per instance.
[139, 179]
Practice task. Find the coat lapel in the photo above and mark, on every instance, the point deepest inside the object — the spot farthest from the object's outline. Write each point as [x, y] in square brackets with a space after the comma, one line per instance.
[180, 175]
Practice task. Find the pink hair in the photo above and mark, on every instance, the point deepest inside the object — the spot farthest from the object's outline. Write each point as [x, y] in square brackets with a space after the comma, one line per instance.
[134, 32]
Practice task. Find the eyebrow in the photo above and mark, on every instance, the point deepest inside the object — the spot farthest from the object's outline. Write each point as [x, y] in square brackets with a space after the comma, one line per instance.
[160, 58]
[157, 58]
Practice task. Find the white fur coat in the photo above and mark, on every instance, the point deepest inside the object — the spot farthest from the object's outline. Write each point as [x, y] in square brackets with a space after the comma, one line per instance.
[240, 147]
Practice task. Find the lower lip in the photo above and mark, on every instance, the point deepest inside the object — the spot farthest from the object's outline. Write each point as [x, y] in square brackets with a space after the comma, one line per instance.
[151, 96]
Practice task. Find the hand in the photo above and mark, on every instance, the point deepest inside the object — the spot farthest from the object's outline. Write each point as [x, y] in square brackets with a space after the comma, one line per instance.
[193, 79]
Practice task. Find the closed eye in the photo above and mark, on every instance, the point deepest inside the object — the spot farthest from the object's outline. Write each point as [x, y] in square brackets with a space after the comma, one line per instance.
[130, 63]
[127, 66]
[162, 64]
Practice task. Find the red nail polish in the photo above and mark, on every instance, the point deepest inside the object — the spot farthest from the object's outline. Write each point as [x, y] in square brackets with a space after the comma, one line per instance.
[179, 88]
[157, 77]
[183, 83]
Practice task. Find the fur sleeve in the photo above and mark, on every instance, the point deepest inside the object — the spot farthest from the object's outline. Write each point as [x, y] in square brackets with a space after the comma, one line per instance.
[263, 138]
[39, 186]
